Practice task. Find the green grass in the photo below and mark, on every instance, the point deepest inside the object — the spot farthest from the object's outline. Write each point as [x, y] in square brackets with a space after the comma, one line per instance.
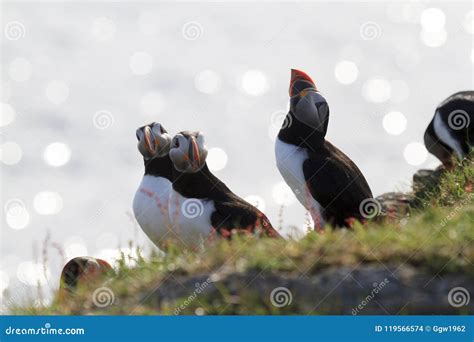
[437, 236]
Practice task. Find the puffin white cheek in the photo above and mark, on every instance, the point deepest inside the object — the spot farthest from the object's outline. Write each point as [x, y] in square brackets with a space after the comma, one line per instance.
[307, 112]
[203, 156]
[156, 129]
[323, 113]
[164, 143]
[139, 146]
[143, 150]
[139, 134]
[178, 158]
[175, 155]
[201, 140]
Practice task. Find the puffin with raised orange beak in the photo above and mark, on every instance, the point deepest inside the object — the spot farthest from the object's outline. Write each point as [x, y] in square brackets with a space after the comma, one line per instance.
[325, 181]
[201, 204]
[150, 204]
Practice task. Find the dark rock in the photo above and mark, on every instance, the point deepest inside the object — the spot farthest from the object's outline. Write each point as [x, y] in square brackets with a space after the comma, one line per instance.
[426, 180]
[365, 289]
[394, 205]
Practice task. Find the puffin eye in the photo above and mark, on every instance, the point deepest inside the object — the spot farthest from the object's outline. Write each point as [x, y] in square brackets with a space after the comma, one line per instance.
[175, 142]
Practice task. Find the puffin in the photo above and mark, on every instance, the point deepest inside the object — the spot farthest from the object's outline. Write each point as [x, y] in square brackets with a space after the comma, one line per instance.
[324, 180]
[201, 205]
[81, 270]
[451, 131]
[150, 204]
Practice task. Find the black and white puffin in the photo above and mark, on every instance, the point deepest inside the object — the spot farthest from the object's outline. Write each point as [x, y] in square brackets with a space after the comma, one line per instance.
[325, 181]
[80, 271]
[451, 131]
[201, 204]
[150, 204]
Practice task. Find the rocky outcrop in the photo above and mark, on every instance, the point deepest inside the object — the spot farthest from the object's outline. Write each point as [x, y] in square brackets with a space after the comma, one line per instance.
[365, 289]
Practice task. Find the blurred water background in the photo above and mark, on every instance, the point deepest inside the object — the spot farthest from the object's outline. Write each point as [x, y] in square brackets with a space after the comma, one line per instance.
[77, 79]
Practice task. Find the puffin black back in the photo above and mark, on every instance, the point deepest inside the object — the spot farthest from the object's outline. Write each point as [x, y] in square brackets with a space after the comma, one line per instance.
[339, 185]
[193, 182]
[201, 184]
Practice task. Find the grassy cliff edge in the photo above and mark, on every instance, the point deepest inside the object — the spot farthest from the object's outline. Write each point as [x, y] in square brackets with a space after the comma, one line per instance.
[401, 265]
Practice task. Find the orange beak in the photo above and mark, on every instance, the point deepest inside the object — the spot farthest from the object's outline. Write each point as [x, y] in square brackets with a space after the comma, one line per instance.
[297, 76]
[193, 152]
[149, 137]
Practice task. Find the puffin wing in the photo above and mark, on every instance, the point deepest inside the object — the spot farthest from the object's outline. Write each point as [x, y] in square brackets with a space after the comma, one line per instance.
[238, 215]
[336, 183]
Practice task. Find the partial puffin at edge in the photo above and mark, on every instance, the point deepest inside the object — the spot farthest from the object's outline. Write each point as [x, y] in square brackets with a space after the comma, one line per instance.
[200, 203]
[451, 131]
[79, 272]
[324, 180]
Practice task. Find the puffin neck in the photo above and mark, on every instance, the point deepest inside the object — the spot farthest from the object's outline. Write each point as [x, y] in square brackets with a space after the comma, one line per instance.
[159, 167]
[300, 135]
[197, 184]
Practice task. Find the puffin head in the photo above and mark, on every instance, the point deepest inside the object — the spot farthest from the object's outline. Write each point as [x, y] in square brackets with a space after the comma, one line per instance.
[153, 141]
[188, 151]
[307, 105]
[82, 270]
